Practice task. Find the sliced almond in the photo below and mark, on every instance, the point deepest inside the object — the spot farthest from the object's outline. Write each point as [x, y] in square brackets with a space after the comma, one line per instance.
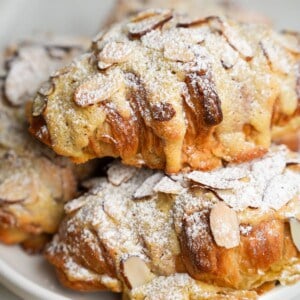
[178, 52]
[118, 173]
[168, 186]
[101, 87]
[135, 272]
[146, 189]
[147, 21]
[281, 189]
[236, 41]
[225, 178]
[47, 88]
[229, 57]
[116, 52]
[75, 204]
[295, 232]
[16, 189]
[224, 226]
[275, 56]
[103, 66]
[289, 42]
[39, 105]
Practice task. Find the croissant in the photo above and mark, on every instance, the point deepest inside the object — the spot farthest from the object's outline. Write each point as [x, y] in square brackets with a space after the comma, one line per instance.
[34, 182]
[196, 8]
[144, 233]
[172, 93]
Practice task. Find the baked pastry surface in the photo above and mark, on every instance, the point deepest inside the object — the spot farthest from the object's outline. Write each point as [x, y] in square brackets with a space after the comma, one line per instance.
[195, 8]
[172, 93]
[34, 182]
[225, 231]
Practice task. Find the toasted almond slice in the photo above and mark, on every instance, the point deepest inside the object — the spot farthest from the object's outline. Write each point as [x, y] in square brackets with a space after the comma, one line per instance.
[168, 186]
[281, 189]
[288, 41]
[237, 42]
[47, 88]
[275, 56]
[97, 89]
[75, 204]
[16, 189]
[103, 66]
[39, 105]
[118, 173]
[116, 52]
[225, 178]
[178, 52]
[224, 226]
[147, 21]
[295, 231]
[135, 272]
[146, 189]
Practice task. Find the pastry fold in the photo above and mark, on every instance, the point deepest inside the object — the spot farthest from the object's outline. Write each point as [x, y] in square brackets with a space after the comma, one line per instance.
[34, 182]
[224, 232]
[167, 92]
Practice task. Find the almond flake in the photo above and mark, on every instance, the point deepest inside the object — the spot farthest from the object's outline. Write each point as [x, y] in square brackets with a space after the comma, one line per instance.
[135, 272]
[276, 56]
[39, 105]
[178, 52]
[289, 42]
[118, 173]
[224, 226]
[97, 89]
[47, 88]
[147, 21]
[146, 189]
[16, 189]
[103, 66]
[168, 186]
[225, 178]
[295, 232]
[75, 204]
[115, 52]
[282, 188]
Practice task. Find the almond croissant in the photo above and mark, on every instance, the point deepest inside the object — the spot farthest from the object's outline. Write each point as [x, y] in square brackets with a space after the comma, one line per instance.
[171, 93]
[34, 182]
[228, 227]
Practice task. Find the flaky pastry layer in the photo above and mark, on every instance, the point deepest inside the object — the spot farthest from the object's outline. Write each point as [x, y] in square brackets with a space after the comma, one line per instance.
[191, 230]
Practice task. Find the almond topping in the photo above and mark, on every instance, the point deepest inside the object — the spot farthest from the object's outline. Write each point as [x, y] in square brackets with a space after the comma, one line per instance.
[39, 105]
[16, 189]
[135, 272]
[178, 52]
[168, 186]
[146, 189]
[118, 173]
[224, 226]
[275, 56]
[147, 21]
[74, 205]
[283, 188]
[46, 89]
[97, 89]
[225, 178]
[115, 52]
[295, 231]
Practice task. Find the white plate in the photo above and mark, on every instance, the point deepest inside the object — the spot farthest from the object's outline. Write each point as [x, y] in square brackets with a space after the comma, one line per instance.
[31, 278]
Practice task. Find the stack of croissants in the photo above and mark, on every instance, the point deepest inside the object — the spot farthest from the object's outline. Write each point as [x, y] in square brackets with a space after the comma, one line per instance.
[199, 114]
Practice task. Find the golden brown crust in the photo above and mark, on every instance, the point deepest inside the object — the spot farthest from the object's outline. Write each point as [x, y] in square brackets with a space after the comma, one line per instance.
[168, 222]
[160, 91]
